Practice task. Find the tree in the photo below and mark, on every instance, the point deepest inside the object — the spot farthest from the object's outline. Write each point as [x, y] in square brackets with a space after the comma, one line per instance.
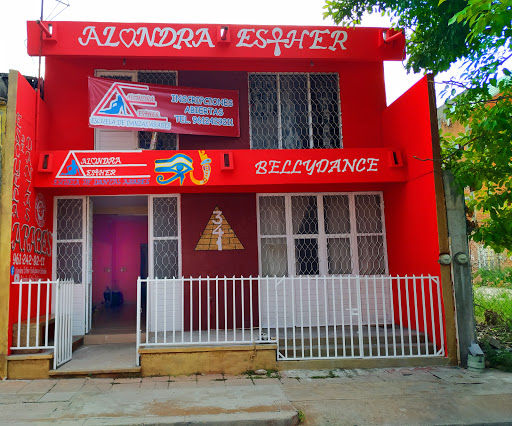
[476, 36]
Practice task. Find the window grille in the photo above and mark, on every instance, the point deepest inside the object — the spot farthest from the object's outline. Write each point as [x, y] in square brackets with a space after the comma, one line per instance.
[69, 239]
[321, 234]
[164, 141]
[370, 242]
[165, 236]
[295, 111]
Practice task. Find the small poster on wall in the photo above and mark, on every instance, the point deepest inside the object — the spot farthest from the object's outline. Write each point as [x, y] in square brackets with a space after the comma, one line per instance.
[218, 234]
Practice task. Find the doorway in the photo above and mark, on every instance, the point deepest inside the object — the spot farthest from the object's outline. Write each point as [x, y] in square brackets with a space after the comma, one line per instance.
[120, 230]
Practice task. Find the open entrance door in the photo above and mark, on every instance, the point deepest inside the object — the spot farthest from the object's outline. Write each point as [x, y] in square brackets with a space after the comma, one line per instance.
[120, 230]
[69, 267]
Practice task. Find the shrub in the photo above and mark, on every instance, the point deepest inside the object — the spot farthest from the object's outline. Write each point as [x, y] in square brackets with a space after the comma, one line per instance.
[493, 278]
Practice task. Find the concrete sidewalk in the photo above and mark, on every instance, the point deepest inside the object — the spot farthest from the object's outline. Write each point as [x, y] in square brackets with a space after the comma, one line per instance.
[437, 395]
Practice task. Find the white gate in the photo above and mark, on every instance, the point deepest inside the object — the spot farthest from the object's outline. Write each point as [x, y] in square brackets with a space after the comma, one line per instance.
[70, 260]
[63, 305]
[36, 316]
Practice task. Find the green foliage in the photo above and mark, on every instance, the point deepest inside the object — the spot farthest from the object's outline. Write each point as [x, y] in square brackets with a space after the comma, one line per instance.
[432, 44]
[493, 306]
[493, 278]
[481, 158]
[330, 375]
[498, 358]
[301, 416]
[476, 36]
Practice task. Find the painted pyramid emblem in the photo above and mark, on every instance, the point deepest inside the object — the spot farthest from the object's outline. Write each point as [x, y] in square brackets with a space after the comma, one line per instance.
[218, 234]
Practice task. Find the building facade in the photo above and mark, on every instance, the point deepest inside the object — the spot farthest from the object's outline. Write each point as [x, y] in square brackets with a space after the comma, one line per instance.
[280, 202]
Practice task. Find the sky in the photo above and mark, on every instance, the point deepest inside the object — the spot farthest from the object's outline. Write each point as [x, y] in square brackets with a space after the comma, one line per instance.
[14, 14]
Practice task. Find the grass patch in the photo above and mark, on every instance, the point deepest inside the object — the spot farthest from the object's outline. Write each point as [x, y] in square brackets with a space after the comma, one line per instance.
[331, 375]
[301, 416]
[272, 374]
[493, 305]
[493, 278]
[498, 358]
[493, 314]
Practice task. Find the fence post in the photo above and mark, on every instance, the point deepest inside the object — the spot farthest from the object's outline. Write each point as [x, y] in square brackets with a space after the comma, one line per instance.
[461, 270]
[139, 313]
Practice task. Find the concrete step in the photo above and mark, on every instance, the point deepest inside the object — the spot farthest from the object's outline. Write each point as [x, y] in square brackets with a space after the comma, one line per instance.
[102, 339]
[274, 418]
[348, 339]
[99, 373]
[313, 351]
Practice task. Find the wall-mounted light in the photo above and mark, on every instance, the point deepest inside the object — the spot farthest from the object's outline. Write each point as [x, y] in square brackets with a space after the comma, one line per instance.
[390, 35]
[395, 159]
[223, 34]
[226, 160]
[45, 163]
[48, 30]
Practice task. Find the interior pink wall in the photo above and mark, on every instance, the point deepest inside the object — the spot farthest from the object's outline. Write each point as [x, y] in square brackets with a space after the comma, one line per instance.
[116, 254]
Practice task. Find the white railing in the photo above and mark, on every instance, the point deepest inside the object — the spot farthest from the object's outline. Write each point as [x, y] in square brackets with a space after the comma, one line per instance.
[307, 317]
[43, 319]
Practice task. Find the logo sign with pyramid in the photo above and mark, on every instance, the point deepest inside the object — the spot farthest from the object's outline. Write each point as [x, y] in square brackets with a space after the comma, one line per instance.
[218, 234]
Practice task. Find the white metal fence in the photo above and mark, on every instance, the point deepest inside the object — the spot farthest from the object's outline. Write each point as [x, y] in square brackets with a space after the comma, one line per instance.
[307, 317]
[44, 318]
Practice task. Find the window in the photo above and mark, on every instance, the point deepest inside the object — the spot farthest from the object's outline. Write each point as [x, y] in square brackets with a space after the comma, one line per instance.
[164, 213]
[295, 111]
[122, 140]
[321, 234]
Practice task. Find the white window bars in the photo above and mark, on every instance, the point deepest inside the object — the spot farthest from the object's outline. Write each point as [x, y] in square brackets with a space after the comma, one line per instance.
[322, 234]
[295, 111]
[306, 317]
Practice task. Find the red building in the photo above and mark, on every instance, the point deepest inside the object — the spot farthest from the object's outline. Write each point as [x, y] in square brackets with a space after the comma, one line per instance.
[185, 154]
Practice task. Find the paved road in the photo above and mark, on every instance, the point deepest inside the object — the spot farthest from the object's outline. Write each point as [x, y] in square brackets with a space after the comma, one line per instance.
[437, 395]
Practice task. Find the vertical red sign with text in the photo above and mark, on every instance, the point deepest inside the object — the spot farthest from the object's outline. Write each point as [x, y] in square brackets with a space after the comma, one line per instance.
[31, 232]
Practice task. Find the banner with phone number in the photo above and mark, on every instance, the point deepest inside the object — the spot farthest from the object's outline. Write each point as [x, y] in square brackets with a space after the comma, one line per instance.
[124, 105]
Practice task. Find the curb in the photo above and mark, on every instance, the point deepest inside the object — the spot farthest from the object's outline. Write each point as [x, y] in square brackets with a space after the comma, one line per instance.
[276, 418]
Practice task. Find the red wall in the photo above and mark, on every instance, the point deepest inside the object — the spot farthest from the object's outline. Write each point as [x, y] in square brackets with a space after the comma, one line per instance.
[116, 254]
[363, 99]
[410, 208]
[239, 210]
[411, 217]
[361, 90]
